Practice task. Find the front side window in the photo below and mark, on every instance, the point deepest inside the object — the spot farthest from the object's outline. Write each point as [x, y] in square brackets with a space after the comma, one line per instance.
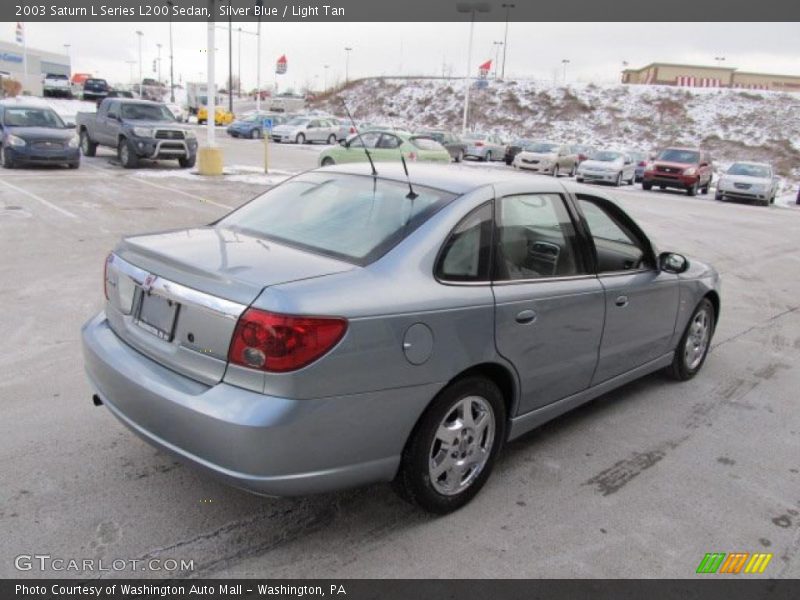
[349, 217]
[362, 140]
[617, 244]
[536, 238]
[146, 112]
[466, 254]
[389, 142]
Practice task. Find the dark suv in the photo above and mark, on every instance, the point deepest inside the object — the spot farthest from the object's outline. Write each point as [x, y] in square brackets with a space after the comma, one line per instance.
[687, 169]
[95, 89]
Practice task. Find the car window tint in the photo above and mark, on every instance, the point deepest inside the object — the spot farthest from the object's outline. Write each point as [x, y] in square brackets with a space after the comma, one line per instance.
[389, 141]
[350, 217]
[365, 139]
[536, 238]
[617, 246]
[465, 256]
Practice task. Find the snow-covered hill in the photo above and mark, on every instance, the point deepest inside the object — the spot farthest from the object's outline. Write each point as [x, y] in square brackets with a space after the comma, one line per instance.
[732, 124]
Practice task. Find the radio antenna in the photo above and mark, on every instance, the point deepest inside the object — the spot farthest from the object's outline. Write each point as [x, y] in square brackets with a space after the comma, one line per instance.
[358, 133]
[411, 194]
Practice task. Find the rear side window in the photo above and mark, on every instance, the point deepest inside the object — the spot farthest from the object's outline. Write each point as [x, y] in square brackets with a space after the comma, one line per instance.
[350, 217]
[425, 143]
[466, 254]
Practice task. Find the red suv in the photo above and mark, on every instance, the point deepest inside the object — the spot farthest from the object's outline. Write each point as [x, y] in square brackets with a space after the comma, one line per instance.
[683, 168]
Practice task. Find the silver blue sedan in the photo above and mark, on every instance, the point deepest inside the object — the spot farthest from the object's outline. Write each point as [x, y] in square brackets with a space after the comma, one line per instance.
[344, 328]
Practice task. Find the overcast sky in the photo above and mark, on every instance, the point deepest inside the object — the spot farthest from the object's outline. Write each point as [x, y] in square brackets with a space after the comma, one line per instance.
[535, 50]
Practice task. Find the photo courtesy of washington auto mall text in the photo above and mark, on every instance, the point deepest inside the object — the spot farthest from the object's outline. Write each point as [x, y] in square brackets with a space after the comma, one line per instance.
[398, 300]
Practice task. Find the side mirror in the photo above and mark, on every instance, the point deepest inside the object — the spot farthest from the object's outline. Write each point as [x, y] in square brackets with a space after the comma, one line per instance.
[671, 262]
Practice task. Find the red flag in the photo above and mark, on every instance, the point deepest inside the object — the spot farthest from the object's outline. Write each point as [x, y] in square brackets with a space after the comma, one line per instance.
[487, 66]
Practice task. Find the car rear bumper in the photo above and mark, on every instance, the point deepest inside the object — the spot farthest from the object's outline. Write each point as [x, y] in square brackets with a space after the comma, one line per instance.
[264, 444]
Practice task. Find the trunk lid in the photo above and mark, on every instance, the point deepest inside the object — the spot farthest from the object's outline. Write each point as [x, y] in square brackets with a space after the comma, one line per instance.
[176, 296]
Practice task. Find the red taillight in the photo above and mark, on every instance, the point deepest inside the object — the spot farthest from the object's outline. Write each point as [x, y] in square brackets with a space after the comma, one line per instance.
[412, 156]
[582, 157]
[352, 129]
[280, 343]
[478, 143]
[108, 261]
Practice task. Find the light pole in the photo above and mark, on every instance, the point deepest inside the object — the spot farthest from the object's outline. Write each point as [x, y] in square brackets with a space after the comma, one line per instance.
[565, 62]
[159, 63]
[508, 8]
[140, 34]
[325, 81]
[171, 78]
[471, 8]
[259, 4]
[130, 67]
[347, 51]
[239, 67]
[496, 55]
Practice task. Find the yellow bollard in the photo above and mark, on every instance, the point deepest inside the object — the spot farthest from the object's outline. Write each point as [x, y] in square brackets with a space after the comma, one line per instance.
[209, 161]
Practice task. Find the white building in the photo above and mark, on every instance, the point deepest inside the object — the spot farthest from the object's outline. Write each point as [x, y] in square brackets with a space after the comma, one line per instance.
[39, 63]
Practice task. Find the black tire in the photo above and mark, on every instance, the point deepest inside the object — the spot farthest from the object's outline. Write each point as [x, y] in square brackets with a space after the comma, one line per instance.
[332, 139]
[647, 186]
[74, 164]
[327, 161]
[692, 190]
[719, 196]
[632, 180]
[573, 171]
[704, 189]
[579, 179]
[618, 180]
[201, 122]
[300, 139]
[460, 156]
[556, 171]
[772, 200]
[88, 147]
[681, 369]
[255, 134]
[126, 155]
[187, 162]
[8, 163]
[488, 157]
[413, 481]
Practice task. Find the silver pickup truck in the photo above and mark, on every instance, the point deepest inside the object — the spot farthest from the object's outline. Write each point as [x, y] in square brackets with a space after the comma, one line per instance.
[137, 129]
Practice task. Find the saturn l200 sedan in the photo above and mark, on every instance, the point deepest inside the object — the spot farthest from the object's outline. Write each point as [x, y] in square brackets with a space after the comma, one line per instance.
[344, 328]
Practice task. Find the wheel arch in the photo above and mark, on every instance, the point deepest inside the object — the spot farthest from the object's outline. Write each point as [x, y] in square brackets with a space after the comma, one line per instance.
[714, 298]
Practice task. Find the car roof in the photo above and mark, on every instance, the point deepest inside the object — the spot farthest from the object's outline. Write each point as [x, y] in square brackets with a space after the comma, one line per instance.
[751, 162]
[124, 100]
[450, 178]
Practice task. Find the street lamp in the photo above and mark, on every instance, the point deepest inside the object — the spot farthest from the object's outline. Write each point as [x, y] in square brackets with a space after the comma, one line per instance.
[140, 34]
[508, 8]
[565, 62]
[471, 8]
[347, 65]
[159, 63]
[171, 79]
[259, 4]
[496, 55]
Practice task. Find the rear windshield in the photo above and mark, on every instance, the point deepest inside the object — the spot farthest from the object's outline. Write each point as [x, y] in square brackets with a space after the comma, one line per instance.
[426, 143]
[146, 112]
[749, 170]
[679, 156]
[95, 82]
[31, 117]
[55, 76]
[354, 218]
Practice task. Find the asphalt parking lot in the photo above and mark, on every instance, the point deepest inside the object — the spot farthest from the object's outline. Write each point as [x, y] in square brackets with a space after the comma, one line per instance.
[639, 483]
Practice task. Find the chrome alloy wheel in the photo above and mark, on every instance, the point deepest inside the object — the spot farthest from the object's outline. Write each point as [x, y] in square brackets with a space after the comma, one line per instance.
[462, 445]
[697, 340]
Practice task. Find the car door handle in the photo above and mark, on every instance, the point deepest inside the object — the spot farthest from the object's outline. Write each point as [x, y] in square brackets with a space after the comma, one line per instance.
[526, 316]
[621, 301]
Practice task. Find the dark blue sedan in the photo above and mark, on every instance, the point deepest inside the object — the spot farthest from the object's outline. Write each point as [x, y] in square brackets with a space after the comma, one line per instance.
[36, 135]
[251, 126]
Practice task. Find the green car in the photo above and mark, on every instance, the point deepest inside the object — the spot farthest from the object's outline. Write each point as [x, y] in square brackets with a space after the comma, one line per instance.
[385, 146]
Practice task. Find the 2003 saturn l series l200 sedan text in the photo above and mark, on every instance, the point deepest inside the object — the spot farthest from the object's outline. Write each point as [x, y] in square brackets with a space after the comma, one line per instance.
[347, 328]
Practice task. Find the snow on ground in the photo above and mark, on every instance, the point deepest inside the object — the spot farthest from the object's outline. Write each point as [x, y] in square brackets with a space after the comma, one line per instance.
[734, 124]
[234, 173]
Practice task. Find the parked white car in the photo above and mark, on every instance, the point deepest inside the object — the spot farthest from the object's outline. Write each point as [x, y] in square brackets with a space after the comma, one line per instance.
[748, 181]
[550, 158]
[56, 84]
[608, 166]
[307, 130]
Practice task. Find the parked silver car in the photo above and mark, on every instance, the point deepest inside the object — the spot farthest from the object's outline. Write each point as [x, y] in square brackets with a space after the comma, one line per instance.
[607, 166]
[343, 329]
[307, 130]
[748, 181]
[548, 157]
[483, 146]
